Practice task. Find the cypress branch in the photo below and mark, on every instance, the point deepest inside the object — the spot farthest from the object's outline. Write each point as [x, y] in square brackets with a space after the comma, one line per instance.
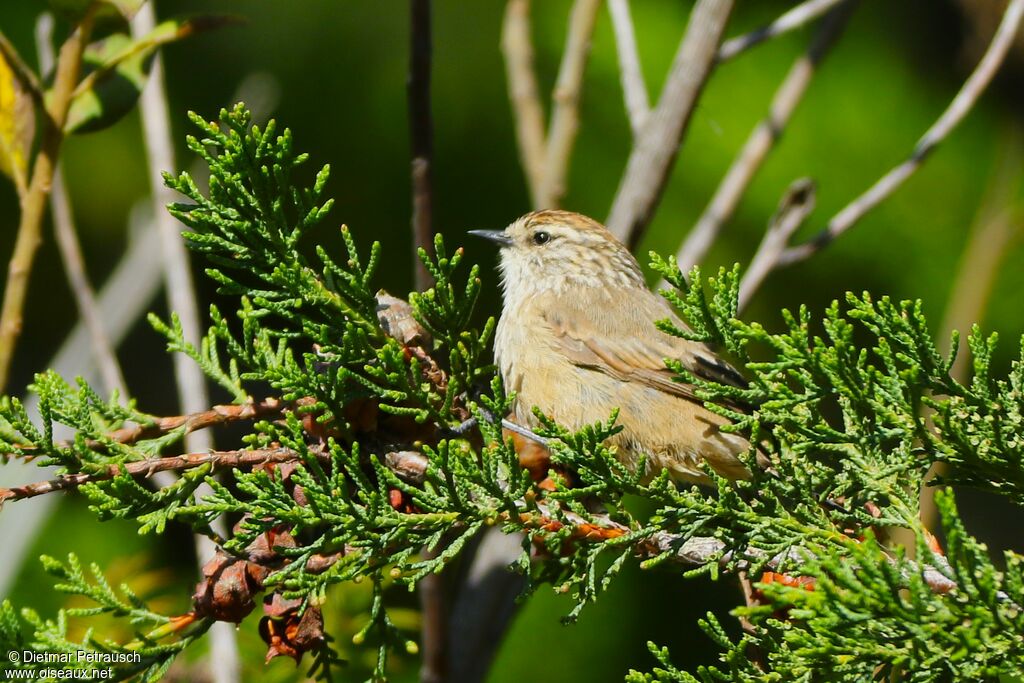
[381, 436]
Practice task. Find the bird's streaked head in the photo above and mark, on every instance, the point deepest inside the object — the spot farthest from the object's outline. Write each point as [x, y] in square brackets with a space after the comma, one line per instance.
[561, 251]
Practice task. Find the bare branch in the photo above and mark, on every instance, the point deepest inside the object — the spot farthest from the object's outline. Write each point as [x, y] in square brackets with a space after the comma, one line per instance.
[695, 550]
[795, 206]
[421, 134]
[215, 416]
[403, 462]
[947, 122]
[655, 149]
[701, 550]
[33, 206]
[71, 250]
[517, 46]
[181, 295]
[802, 14]
[565, 103]
[147, 468]
[762, 140]
[433, 630]
[634, 88]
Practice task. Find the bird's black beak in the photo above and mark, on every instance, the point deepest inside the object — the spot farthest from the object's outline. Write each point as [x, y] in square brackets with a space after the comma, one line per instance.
[497, 236]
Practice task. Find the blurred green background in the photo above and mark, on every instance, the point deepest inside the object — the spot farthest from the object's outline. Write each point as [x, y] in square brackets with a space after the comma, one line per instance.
[338, 69]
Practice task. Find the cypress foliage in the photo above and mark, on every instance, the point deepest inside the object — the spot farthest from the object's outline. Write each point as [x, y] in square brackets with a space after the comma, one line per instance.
[380, 438]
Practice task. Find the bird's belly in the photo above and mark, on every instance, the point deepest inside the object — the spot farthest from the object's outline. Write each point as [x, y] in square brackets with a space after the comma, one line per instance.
[571, 395]
[659, 431]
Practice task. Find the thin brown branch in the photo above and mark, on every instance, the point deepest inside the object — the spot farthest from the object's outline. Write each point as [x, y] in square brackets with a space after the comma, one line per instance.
[697, 550]
[433, 631]
[802, 14]
[634, 88]
[517, 47]
[795, 206]
[215, 416]
[946, 123]
[565, 103]
[421, 134]
[655, 149]
[401, 461]
[700, 550]
[71, 250]
[33, 208]
[146, 468]
[750, 599]
[762, 140]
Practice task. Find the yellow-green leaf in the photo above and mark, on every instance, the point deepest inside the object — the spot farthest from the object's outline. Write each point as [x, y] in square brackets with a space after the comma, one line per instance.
[17, 126]
[118, 68]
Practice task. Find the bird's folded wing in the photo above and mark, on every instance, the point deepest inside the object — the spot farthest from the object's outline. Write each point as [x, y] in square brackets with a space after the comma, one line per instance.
[704, 363]
[640, 358]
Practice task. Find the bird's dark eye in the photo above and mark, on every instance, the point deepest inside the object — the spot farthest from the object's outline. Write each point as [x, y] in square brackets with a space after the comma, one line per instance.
[541, 237]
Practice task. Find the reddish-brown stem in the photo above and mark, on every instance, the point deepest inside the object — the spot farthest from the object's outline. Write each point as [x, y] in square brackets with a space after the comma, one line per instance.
[217, 415]
[697, 550]
[146, 468]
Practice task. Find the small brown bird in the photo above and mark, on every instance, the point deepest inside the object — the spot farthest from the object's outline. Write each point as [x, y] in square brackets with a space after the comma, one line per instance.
[577, 339]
